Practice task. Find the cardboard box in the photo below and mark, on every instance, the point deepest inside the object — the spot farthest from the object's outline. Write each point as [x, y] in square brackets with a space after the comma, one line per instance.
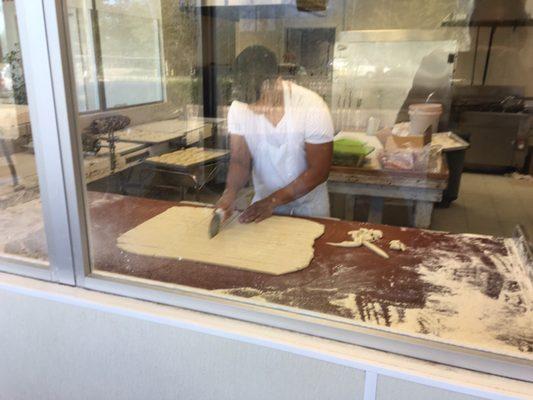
[394, 142]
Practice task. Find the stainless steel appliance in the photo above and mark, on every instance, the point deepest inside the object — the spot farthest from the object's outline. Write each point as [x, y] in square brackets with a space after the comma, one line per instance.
[496, 123]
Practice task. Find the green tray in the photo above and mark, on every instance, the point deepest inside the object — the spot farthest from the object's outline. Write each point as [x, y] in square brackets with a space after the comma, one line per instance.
[352, 153]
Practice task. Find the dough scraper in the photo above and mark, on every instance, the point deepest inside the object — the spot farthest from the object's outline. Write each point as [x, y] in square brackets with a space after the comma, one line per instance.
[218, 223]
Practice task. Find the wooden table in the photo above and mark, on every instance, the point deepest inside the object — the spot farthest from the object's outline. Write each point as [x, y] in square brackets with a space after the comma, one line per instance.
[14, 124]
[421, 291]
[160, 134]
[14, 121]
[95, 167]
[422, 188]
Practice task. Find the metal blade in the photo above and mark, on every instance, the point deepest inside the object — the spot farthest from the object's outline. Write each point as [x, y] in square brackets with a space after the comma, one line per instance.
[216, 222]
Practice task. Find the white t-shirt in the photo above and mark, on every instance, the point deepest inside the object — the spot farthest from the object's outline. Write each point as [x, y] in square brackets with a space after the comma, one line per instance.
[278, 152]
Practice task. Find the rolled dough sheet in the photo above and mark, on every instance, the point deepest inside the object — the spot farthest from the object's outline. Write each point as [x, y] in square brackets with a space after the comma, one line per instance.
[276, 246]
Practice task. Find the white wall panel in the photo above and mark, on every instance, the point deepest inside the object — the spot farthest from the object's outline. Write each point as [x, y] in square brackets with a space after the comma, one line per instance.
[50, 350]
[60, 342]
[395, 389]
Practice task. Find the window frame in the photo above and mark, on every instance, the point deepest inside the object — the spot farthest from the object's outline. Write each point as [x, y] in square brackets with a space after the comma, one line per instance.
[25, 267]
[42, 78]
[66, 223]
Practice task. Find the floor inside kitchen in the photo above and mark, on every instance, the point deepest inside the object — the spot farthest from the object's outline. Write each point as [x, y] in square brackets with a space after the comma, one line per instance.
[488, 204]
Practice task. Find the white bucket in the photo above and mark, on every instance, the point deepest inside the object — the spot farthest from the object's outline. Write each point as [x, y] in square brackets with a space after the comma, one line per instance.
[424, 118]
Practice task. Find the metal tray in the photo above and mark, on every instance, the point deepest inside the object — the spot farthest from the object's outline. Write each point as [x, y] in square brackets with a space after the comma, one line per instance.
[189, 167]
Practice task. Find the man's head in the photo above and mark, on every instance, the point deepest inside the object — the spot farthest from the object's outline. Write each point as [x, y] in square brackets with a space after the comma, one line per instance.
[252, 68]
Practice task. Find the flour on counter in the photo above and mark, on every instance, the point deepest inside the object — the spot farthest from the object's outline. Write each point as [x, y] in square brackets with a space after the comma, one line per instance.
[105, 199]
[477, 294]
[483, 300]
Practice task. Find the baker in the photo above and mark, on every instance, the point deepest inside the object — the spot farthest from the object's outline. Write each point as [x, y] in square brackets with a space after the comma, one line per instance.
[283, 134]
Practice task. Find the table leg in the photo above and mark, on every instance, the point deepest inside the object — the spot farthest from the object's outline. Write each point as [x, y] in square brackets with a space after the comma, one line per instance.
[145, 175]
[423, 211]
[124, 178]
[7, 154]
[349, 207]
[375, 214]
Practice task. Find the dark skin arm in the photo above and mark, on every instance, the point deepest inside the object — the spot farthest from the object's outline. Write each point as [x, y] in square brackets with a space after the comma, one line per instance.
[318, 158]
[238, 173]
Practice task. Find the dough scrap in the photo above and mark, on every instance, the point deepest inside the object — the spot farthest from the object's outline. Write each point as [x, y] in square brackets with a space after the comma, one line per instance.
[397, 245]
[360, 236]
[365, 234]
[348, 243]
[375, 249]
[364, 237]
[276, 246]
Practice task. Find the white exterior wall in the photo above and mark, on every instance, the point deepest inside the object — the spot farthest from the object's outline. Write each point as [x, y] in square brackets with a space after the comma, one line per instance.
[58, 342]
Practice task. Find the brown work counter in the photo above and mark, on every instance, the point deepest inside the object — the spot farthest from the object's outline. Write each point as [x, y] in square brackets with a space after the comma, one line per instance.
[471, 290]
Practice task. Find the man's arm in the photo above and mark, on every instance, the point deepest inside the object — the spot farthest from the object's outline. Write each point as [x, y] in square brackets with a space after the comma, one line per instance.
[319, 158]
[238, 172]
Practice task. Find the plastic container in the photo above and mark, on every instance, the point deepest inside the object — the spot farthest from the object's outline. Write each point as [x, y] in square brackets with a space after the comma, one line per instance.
[350, 153]
[372, 126]
[424, 118]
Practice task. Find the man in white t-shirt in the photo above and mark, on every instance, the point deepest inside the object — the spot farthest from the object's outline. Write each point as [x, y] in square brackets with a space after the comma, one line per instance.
[283, 133]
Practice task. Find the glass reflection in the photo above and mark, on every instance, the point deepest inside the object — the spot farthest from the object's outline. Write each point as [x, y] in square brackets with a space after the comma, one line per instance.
[361, 116]
[21, 223]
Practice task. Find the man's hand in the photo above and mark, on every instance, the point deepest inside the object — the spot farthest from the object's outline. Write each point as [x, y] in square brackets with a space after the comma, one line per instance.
[227, 203]
[258, 211]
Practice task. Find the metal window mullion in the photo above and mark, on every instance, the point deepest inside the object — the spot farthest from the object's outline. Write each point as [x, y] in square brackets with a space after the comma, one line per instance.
[53, 118]
[56, 16]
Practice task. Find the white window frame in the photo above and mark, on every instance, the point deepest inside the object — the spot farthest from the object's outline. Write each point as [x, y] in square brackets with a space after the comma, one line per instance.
[53, 105]
[48, 110]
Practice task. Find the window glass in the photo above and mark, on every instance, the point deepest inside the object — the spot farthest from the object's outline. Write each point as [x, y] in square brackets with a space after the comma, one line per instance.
[131, 62]
[364, 160]
[116, 70]
[21, 222]
[83, 57]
